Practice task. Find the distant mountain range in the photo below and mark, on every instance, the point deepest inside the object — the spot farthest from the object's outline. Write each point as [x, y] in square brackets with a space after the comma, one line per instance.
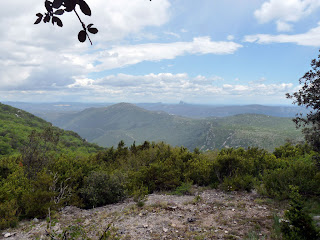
[203, 111]
[49, 111]
[107, 126]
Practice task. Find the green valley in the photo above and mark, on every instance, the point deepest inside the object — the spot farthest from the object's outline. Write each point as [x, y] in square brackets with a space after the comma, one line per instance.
[108, 125]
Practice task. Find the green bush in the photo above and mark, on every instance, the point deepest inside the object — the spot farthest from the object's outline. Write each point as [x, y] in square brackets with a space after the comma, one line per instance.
[140, 195]
[302, 173]
[183, 189]
[238, 183]
[8, 214]
[292, 151]
[159, 177]
[101, 188]
[228, 165]
[199, 171]
[298, 224]
[73, 169]
[39, 197]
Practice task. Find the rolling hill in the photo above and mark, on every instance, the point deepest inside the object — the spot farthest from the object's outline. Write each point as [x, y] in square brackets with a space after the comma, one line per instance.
[108, 125]
[16, 125]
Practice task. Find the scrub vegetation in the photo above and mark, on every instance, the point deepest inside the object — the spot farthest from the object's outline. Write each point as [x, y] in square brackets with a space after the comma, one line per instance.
[29, 187]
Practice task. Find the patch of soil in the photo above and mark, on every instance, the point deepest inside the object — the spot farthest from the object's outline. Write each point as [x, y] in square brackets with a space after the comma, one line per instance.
[207, 214]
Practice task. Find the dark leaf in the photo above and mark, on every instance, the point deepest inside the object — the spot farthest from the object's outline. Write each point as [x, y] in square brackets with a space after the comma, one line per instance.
[84, 7]
[57, 20]
[39, 15]
[48, 5]
[57, 3]
[90, 25]
[93, 30]
[82, 36]
[70, 5]
[46, 18]
[59, 12]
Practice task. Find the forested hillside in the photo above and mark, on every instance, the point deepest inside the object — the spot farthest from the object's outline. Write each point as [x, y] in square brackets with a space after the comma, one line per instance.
[16, 125]
[109, 125]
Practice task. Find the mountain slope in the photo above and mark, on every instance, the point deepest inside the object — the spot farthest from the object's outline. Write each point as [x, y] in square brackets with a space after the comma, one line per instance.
[203, 111]
[16, 125]
[107, 126]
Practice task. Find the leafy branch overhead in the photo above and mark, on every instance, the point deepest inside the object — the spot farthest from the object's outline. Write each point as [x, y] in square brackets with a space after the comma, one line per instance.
[57, 8]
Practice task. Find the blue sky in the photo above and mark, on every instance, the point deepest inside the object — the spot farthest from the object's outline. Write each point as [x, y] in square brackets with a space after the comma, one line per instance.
[205, 51]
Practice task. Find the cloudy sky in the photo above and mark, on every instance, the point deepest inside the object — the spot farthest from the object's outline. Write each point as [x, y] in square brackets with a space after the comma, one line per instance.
[204, 51]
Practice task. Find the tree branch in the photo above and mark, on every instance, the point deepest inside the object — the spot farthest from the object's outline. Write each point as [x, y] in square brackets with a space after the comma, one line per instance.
[83, 25]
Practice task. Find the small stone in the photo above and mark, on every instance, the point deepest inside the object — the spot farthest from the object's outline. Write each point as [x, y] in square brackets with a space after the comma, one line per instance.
[145, 225]
[173, 225]
[6, 235]
[172, 208]
[36, 220]
[216, 230]
[226, 232]
[165, 230]
[316, 218]
[233, 209]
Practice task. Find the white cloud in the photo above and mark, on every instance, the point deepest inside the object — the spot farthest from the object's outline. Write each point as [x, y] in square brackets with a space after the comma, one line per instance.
[168, 87]
[120, 56]
[38, 56]
[310, 38]
[44, 56]
[285, 11]
[283, 26]
[172, 34]
[117, 19]
[258, 89]
[230, 37]
[163, 87]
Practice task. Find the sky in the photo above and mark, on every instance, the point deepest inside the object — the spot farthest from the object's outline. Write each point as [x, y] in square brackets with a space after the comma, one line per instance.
[203, 52]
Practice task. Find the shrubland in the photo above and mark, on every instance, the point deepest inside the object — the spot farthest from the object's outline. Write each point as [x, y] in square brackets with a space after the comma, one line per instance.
[42, 178]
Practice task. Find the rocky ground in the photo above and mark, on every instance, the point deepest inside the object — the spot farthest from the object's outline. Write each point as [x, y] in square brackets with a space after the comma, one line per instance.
[206, 214]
